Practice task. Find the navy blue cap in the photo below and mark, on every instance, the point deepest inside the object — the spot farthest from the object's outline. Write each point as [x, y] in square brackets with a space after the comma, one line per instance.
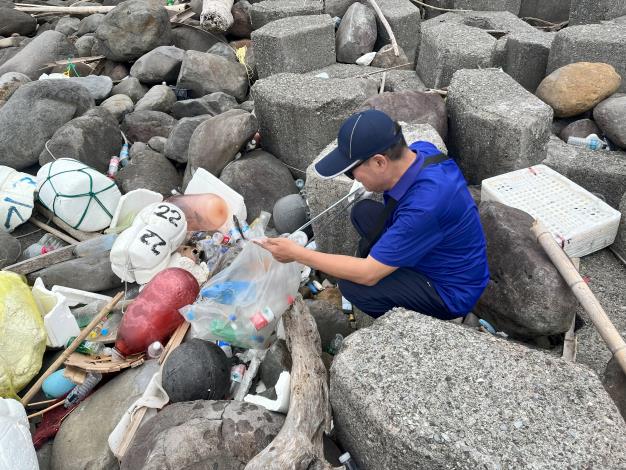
[361, 136]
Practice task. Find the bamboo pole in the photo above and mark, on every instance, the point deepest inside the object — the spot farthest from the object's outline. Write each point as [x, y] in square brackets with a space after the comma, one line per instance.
[30, 8]
[53, 231]
[570, 343]
[70, 349]
[583, 293]
[45, 410]
[386, 25]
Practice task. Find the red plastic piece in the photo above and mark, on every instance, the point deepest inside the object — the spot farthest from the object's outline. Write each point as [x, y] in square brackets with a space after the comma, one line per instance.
[153, 316]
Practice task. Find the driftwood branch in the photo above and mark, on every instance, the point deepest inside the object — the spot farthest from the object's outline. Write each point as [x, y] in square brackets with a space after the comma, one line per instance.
[570, 344]
[583, 293]
[216, 15]
[80, 11]
[386, 25]
[299, 444]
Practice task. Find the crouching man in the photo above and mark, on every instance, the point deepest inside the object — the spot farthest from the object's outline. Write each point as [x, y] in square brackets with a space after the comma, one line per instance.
[424, 248]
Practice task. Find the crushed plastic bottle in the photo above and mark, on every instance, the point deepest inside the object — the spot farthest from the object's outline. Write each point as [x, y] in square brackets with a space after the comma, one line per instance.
[79, 392]
[46, 244]
[335, 344]
[591, 142]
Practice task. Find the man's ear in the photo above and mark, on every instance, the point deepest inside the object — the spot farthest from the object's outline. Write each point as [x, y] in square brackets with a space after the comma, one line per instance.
[379, 161]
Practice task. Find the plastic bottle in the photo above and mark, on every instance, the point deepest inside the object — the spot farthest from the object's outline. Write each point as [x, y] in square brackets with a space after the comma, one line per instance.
[347, 461]
[155, 350]
[259, 225]
[124, 155]
[300, 184]
[299, 237]
[95, 246]
[114, 165]
[46, 244]
[335, 344]
[79, 392]
[101, 329]
[591, 142]
[90, 348]
[226, 347]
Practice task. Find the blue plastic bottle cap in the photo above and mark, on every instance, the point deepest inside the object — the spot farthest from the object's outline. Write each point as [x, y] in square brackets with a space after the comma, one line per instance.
[104, 331]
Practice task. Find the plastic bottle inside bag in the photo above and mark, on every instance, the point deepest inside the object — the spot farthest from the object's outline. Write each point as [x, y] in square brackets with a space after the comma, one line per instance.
[46, 244]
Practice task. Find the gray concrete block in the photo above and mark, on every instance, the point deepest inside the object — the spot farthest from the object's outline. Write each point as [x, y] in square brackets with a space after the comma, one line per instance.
[595, 11]
[395, 80]
[512, 6]
[591, 43]
[527, 57]
[299, 114]
[334, 232]
[488, 20]
[404, 19]
[554, 11]
[296, 44]
[495, 125]
[267, 11]
[414, 392]
[597, 171]
[448, 47]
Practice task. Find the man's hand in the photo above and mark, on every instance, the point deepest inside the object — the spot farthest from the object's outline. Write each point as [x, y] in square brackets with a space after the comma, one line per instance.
[282, 249]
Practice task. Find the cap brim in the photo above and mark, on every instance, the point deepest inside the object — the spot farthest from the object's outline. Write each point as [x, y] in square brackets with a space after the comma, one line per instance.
[334, 164]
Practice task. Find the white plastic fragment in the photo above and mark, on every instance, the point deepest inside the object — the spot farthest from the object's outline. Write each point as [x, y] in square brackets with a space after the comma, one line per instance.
[58, 320]
[283, 395]
[129, 206]
[366, 59]
[16, 444]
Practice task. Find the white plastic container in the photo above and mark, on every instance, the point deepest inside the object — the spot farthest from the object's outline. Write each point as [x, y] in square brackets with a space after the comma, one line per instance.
[580, 222]
[58, 320]
[82, 197]
[16, 197]
[204, 182]
[16, 444]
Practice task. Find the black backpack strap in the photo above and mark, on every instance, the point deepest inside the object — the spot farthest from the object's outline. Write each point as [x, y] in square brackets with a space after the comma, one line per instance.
[365, 245]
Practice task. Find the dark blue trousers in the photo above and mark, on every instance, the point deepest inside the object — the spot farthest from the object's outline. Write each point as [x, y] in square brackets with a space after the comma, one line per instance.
[402, 288]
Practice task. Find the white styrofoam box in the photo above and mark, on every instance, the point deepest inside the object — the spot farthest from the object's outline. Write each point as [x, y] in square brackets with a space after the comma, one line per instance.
[16, 444]
[58, 320]
[580, 222]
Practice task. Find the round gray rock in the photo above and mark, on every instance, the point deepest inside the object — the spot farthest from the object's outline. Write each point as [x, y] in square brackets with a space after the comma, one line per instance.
[90, 24]
[211, 104]
[118, 105]
[91, 138]
[356, 34]
[133, 28]
[203, 435]
[130, 87]
[261, 179]
[140, 126]
[178, 140]
[33, 114]
[159, 98]
[10, 249]
[13, 21]
[224, 50]
[10, 82]
[330, 321]
[159, 65]
[149, 170]
[157, 143]
[84, 45]
[67, 25]
[196, 370]
[580, 128]
[610, 115]
[99, 86]
[289, 213]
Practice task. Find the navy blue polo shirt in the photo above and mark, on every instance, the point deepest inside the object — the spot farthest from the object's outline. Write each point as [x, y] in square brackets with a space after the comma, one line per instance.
[435, 230]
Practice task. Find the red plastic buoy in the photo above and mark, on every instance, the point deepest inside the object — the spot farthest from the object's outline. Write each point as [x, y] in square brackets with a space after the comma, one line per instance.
[153, 315]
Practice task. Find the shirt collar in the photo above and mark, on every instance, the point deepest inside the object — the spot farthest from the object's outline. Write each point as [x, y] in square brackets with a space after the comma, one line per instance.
[407, 179]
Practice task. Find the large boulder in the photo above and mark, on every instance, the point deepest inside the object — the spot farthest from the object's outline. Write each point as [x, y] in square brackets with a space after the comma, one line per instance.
[14, 21]
[99, 86]
[130, 87]
[118, 105]
[91, 138]
[576, 88]
[412, 106]
[416, 392]
[141, 126]
[206, 73]
[211, 104]
[356, 34]
[178, 140]
[203, 434]
[10, 82]
[261, 178]
[90, 24]
[330, 321]
[191, 38]
[133, 28]
[579, 128]
[528, 298]
[149, 170]
[67, 25]
[46, 48]
[82, 441]
[159, 98]
[610, 115]
[92, 274]
[33, 114]
[159, 65]
[217, 140]
[242, 25]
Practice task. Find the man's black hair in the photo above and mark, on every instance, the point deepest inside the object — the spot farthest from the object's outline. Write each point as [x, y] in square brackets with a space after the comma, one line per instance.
[396, 150]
